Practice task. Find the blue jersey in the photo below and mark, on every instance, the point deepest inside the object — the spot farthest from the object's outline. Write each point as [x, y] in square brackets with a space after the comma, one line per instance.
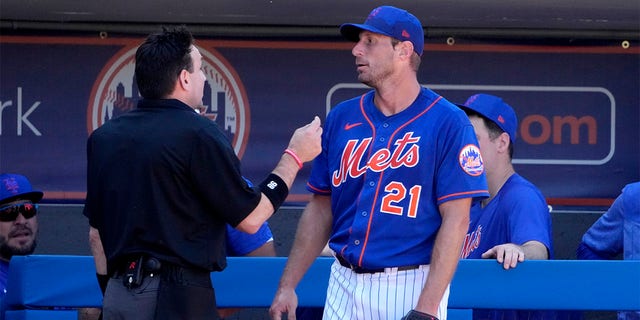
[4, 277]
[616, 231]
[517, 214]
[240, 243]
[387, 175]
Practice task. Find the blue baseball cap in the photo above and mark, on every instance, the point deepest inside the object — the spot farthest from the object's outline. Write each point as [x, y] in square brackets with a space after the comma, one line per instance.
[389, 21]
[496, 110]
[15, 186]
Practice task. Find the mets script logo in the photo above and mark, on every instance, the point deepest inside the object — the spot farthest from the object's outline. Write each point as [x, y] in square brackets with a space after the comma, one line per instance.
[471, 160]
[406, 153]
[225, 100]
[471, 242]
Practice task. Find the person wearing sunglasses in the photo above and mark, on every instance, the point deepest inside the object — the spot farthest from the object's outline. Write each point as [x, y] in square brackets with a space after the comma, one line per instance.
[18, 221]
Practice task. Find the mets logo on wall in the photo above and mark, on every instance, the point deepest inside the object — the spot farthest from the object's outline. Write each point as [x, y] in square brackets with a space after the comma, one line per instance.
[471, 160]
[224, 101]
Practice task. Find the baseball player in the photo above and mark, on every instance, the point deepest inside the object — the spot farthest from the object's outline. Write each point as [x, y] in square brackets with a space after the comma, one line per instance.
[616, 232]
[391, 188]
[513, 224]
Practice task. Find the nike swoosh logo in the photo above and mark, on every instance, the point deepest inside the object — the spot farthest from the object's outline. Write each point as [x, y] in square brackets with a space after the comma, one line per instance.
[350, 126]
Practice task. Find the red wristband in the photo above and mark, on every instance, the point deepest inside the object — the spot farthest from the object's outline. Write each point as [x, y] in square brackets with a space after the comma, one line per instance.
[294, 156]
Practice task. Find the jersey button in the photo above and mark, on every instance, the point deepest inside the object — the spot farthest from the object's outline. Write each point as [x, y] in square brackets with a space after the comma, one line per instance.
[382, 139]
[385, 125]
[371, 183]
[357, 242]
[364, 213]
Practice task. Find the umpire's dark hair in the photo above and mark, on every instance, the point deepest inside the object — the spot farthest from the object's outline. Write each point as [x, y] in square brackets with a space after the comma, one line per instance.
[494, 130]
[160, 59]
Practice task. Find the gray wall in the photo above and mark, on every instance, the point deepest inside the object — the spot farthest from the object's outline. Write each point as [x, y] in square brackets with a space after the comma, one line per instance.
[64, 230]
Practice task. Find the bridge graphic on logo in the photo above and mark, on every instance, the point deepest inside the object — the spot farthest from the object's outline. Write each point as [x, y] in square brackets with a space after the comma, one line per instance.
[224, 100]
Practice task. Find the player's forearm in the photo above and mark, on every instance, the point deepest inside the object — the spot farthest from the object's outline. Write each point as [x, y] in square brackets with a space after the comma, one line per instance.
[312, 234]
[445, 255]
[535, 250]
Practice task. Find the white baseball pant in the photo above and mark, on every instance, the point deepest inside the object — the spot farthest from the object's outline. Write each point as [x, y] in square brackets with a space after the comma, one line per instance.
[385, 295]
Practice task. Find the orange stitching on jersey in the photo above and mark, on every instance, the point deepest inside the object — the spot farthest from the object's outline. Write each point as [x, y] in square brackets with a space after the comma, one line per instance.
[318, 190]
[462, 193]
[413, 119]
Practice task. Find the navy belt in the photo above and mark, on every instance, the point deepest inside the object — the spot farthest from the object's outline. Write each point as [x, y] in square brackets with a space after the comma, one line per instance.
[357, 269]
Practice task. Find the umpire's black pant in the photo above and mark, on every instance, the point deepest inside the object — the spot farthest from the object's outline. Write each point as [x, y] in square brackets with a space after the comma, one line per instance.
[176, 293]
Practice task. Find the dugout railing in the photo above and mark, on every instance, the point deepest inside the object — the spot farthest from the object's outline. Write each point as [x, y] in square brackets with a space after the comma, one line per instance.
[55, 286]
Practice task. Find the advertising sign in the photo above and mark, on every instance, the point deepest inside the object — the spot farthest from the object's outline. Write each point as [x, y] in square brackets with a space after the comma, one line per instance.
[578, 107]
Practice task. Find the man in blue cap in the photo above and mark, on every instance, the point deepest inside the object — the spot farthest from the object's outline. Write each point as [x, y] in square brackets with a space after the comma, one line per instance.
[391, 188]
[514, 222]
[18, 221]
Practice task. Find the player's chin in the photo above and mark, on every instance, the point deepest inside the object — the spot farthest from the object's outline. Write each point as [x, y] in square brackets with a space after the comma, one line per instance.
[364, 79]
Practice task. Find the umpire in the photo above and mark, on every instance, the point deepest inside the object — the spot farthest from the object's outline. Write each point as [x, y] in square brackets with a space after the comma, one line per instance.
[162, 182]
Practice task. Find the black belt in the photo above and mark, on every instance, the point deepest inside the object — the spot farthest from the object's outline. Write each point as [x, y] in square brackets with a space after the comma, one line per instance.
[357, 269]
[150, 266]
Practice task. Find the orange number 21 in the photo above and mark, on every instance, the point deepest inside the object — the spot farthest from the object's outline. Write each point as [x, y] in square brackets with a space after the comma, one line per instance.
[397, 192]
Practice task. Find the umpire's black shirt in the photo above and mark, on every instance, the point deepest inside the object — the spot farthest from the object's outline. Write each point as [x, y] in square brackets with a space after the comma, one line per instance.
[163, 180]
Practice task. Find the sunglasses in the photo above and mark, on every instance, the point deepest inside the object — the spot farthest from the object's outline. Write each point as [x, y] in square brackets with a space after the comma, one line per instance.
[10, 212]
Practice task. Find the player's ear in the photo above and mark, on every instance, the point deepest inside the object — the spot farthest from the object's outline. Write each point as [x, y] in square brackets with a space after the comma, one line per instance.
[503, 142]
[406, 49]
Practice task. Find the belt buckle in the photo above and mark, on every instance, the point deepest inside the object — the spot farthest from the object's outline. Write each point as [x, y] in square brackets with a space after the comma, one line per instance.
[355, 269]
[343, 262]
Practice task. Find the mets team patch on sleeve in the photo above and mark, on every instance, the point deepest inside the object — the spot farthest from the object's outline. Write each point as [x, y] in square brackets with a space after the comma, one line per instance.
[471, 160]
